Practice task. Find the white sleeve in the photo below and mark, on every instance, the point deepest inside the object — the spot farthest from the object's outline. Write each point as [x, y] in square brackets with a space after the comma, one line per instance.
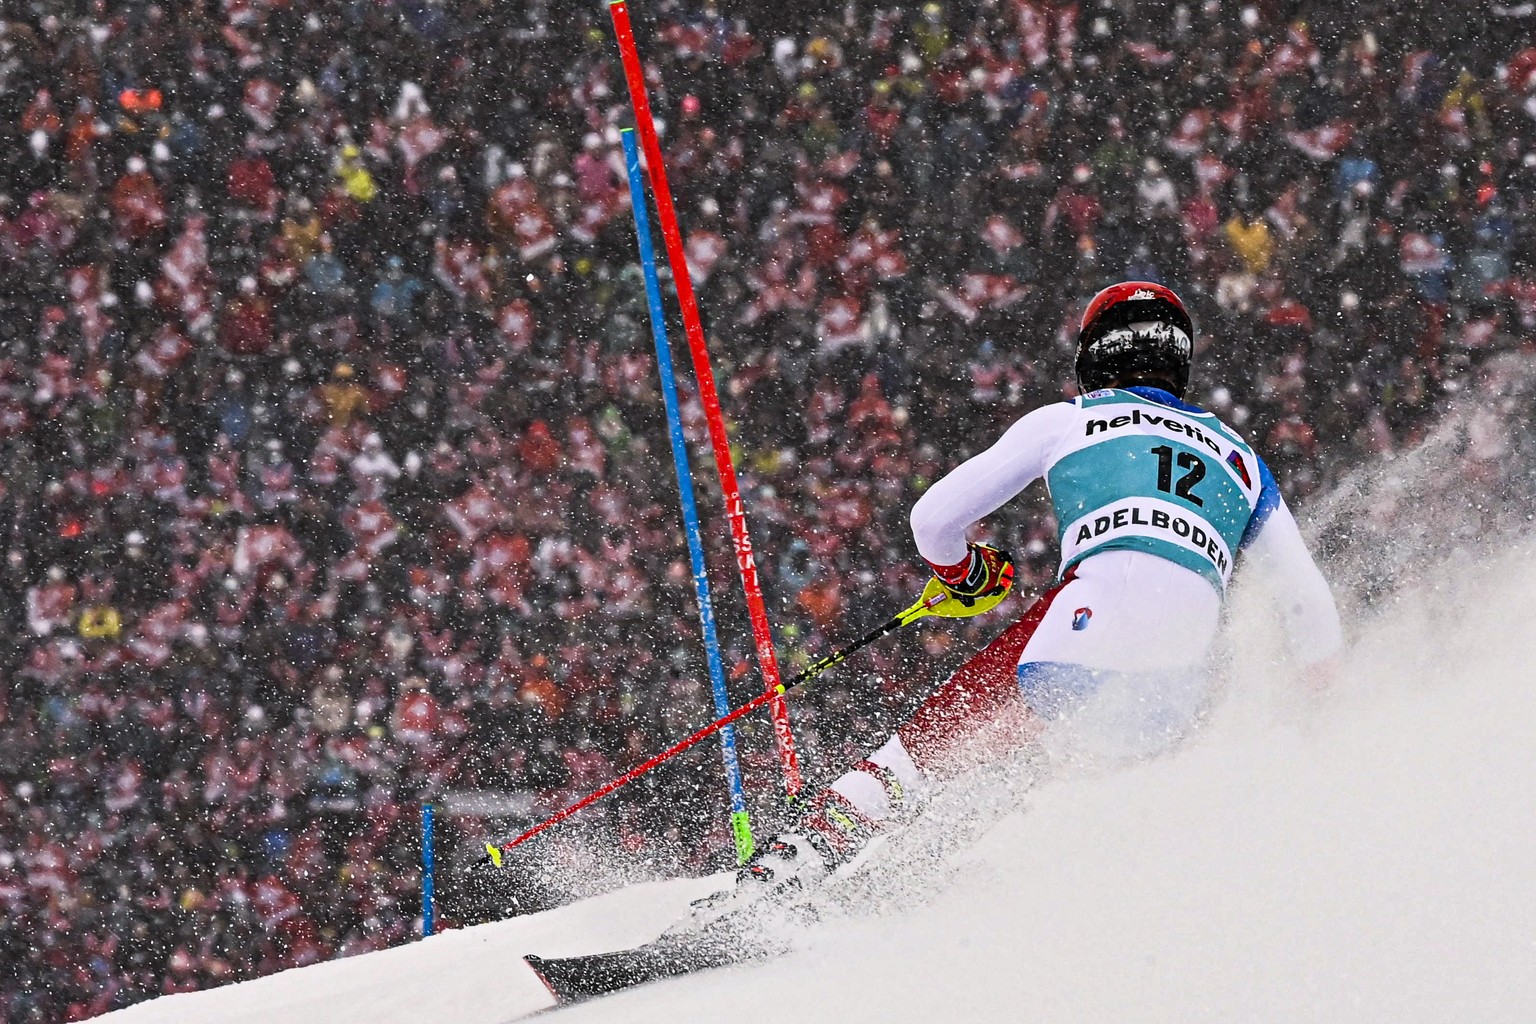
[981, 485]
[1310, 618]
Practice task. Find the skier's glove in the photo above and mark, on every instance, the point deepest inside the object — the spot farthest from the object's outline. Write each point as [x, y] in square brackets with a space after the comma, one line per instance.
[985, 572]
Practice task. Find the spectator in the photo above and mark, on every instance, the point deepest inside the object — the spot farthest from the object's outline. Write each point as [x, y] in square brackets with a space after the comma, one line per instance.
[246, 325]
[138, 207]
[344, 397]
[395, 296]
[325, 276]
[252, 184]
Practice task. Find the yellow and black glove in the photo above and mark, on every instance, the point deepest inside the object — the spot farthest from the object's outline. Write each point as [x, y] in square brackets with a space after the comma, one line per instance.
[976, 584]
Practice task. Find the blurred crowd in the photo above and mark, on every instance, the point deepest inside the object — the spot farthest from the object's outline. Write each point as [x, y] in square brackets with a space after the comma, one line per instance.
[334, 464]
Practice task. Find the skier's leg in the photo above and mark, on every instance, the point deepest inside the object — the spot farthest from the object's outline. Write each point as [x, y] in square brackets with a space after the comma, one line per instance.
[942, 735]
[948, 726]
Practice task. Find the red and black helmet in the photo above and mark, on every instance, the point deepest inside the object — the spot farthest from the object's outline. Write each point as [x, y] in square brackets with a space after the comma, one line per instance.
[1135, 332]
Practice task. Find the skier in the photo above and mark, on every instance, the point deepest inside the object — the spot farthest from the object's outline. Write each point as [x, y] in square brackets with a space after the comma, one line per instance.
[1154, 498]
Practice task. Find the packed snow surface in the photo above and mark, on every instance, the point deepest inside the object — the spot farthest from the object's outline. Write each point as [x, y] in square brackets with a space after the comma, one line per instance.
[1364, 854]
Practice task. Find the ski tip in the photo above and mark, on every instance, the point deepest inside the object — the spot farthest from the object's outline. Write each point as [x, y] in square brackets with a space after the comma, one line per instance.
[536, 963]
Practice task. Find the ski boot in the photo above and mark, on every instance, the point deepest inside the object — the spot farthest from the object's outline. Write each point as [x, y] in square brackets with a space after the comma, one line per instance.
[784, 868]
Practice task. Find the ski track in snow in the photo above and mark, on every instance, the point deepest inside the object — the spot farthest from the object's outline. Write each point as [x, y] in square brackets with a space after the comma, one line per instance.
[1366, 855]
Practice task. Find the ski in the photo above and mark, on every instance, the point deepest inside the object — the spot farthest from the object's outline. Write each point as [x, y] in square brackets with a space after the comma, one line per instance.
[755, 931]
[573, 979]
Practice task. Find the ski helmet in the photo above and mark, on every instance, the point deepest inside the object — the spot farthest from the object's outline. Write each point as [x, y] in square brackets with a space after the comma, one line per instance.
[1135, 330]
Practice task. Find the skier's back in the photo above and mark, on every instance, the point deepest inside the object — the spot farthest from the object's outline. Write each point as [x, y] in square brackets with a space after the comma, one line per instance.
[1154, 500]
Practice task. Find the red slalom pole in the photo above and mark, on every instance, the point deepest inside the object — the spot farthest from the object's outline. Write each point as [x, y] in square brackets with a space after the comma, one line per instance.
[698, 349]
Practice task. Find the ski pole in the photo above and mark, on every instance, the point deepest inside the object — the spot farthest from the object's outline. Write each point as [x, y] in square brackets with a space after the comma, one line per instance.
[923, 606]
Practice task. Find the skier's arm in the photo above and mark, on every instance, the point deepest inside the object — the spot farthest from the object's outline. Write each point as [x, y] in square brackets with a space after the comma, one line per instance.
[1276, 547]
[981, 485]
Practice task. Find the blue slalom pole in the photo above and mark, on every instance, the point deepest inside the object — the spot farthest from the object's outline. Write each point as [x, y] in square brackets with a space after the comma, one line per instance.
[428, 865]
[741, 826]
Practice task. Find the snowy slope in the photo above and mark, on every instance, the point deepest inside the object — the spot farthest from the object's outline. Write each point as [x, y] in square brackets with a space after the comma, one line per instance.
[1371, 859]
[1366, 856]
[466, 977]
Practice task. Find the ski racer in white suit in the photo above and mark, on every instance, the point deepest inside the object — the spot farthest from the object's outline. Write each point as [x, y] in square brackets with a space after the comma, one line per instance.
[1154, 500]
